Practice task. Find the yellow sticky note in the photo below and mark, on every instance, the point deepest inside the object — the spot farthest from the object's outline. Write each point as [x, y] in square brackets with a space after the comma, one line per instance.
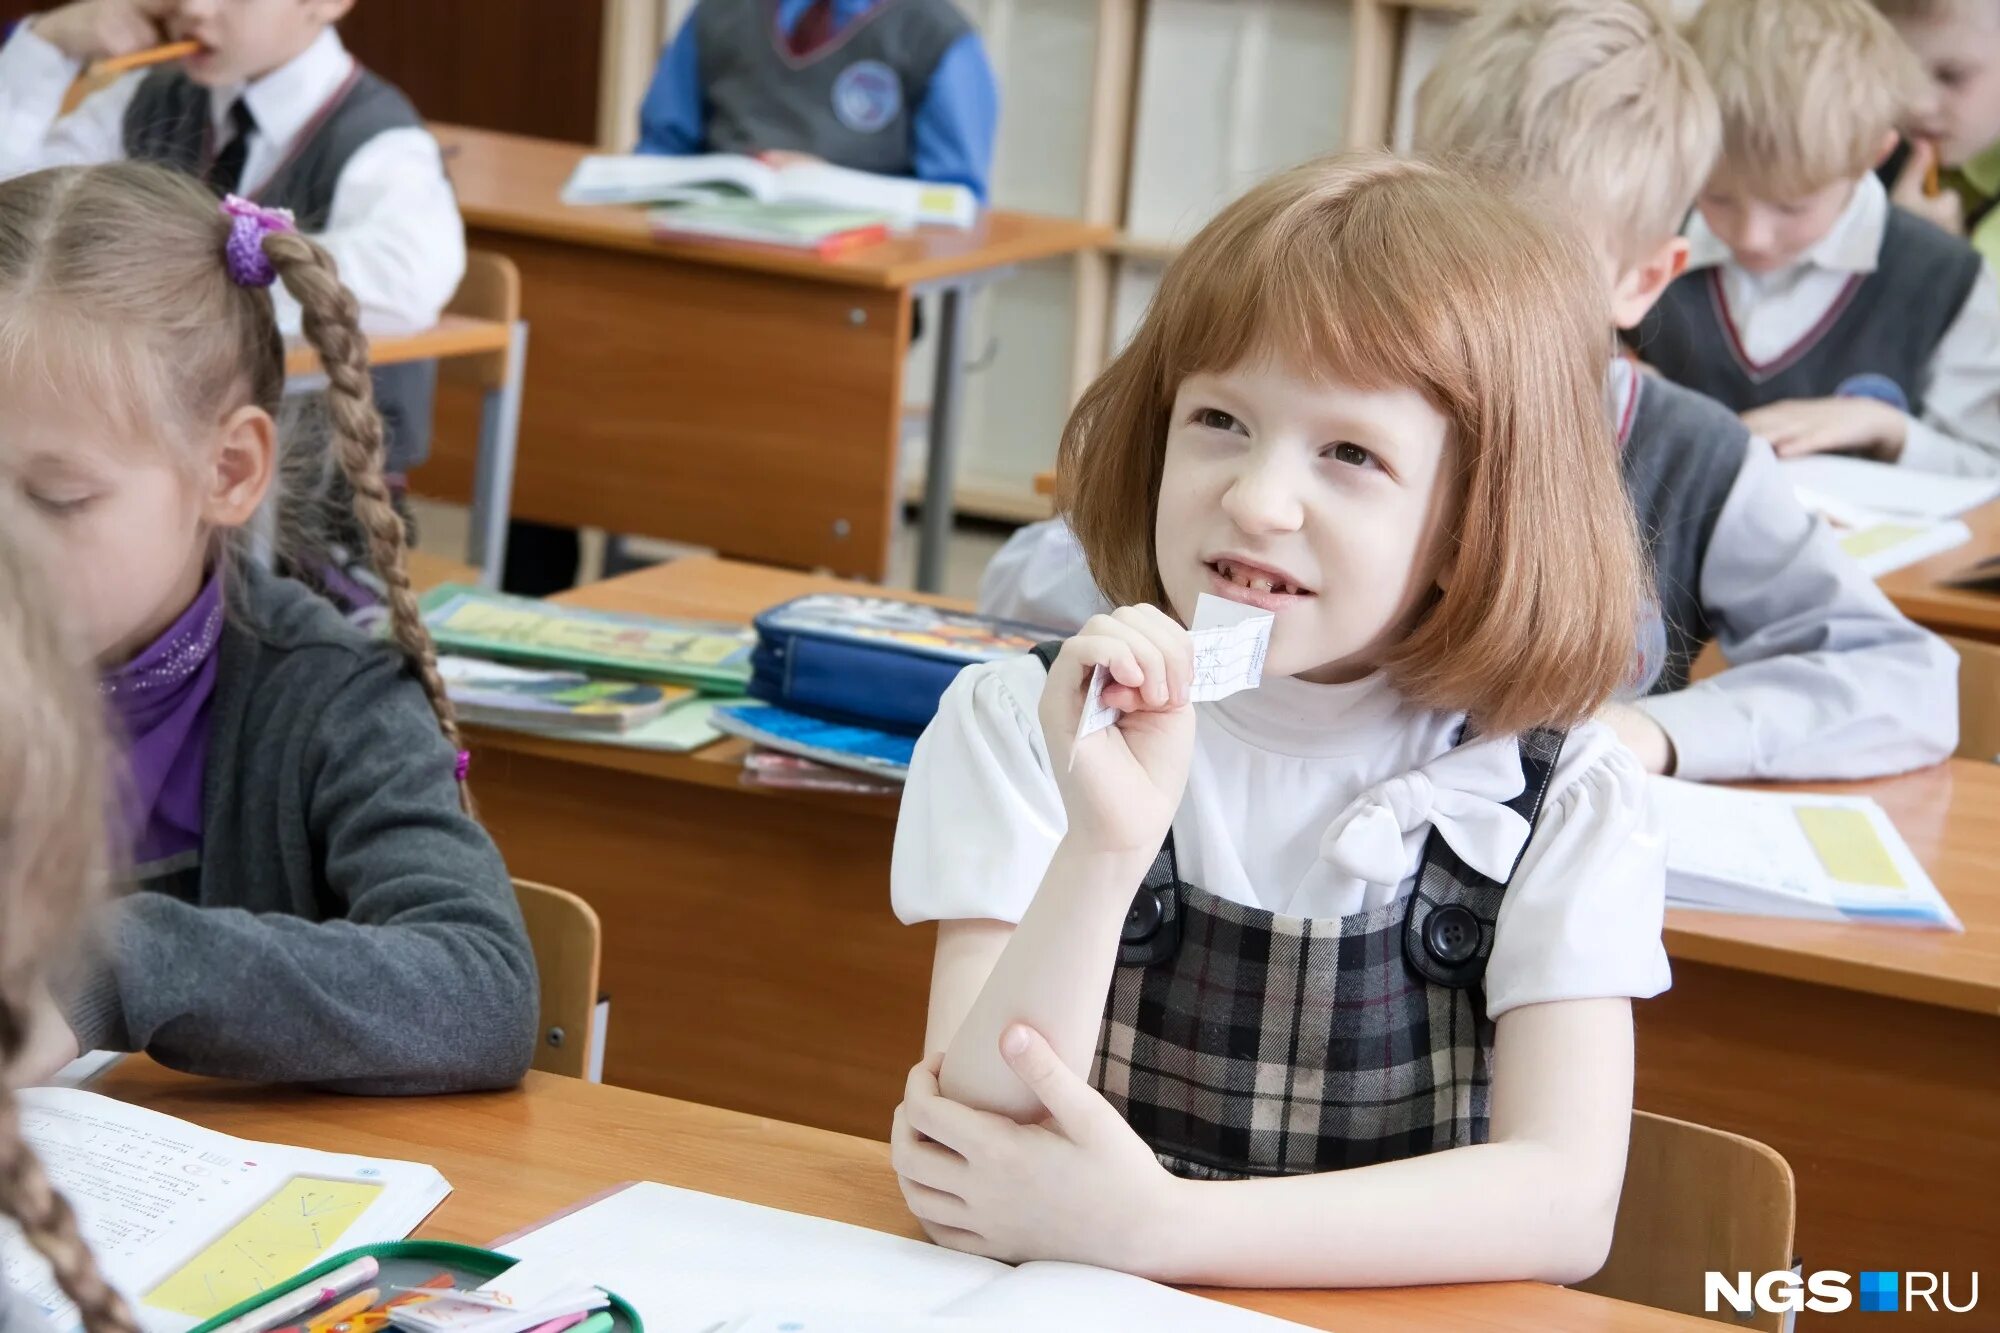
[1849, 847]
[1864, 542]
[283, 1236]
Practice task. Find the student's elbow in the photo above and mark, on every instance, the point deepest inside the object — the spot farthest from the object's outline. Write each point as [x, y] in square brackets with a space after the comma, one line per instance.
[503, 1033]
[1584, 1214]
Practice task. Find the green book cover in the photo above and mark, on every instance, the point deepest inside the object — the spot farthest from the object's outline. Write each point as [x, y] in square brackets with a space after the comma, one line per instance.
[711, 656]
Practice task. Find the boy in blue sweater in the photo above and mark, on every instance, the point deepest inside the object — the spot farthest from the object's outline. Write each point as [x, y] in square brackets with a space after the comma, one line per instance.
[896, 87]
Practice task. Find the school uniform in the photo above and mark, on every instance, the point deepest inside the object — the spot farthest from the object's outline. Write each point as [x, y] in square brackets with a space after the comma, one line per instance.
[1826, 678]
[1352, 893]
[311, 905]
[322, 136]
[896, 87]
[1885, 306]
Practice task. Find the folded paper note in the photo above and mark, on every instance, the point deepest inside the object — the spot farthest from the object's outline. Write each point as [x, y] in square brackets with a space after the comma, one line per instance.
[1230, 640]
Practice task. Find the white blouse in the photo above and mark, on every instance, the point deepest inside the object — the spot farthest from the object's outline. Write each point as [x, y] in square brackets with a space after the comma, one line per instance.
[1313, 800]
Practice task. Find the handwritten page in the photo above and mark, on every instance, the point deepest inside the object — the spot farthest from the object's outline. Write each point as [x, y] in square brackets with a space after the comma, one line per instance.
[1230, 641]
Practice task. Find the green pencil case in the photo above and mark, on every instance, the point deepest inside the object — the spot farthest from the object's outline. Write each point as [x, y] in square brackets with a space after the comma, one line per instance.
[406, 1263]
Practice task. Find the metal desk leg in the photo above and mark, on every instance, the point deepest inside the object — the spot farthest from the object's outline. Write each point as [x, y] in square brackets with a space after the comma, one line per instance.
[941, 475]
[493, 471]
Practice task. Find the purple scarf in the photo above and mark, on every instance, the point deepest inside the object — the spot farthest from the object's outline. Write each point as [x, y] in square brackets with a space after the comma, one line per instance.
[160, 700]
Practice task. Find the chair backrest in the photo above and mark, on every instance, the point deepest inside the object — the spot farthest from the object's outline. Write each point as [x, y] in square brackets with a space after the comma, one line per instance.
[568, 943]
[491, 290]
[1696, 1199]
[1978, 700]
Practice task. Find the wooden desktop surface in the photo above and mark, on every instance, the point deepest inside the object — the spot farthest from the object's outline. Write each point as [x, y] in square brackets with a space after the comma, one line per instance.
[452, 335]
[510, 183]
[1920, 593]
[515, 1158]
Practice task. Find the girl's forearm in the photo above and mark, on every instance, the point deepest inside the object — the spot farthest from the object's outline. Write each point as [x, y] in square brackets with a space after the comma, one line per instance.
[1053, 976]
[1490, 1213]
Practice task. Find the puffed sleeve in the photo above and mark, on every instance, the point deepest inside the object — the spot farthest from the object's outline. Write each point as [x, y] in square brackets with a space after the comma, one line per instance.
[1582, 917]
[981, 814]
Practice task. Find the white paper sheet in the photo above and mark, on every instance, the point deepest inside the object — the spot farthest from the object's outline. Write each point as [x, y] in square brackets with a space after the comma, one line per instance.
[697, 1263]
[1858, 486]
[1230, 641]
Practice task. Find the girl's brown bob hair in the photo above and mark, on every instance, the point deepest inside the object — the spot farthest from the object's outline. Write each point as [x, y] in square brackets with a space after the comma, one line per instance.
[1385, 273]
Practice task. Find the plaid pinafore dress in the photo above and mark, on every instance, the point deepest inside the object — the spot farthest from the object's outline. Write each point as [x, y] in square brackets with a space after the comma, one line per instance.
[1241, 1042]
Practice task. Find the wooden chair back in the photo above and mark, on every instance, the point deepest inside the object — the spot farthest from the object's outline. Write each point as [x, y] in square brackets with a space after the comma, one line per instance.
[568, 942]
[491, 290]
[1696, 1199]
[1978, 700]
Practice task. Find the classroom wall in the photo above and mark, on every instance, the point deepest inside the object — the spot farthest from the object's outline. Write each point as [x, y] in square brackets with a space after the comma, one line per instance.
[525, 66]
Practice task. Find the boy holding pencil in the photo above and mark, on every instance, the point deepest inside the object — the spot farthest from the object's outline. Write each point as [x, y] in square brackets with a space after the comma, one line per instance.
[1959, 43]
[266, 103]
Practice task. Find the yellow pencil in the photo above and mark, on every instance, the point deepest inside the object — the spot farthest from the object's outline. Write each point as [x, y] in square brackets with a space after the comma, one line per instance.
[158, 55]
[353, 1305]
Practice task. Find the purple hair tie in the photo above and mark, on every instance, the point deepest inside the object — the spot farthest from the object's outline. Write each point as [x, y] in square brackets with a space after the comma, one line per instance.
[244, 253]
[463, 766]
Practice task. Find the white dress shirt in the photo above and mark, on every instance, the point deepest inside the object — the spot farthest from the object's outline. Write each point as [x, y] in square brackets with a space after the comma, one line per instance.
[1312, 801]
[394, 227]
[1960, 429]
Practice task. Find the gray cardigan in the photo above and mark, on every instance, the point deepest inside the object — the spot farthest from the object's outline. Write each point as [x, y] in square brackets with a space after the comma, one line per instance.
[347, 925]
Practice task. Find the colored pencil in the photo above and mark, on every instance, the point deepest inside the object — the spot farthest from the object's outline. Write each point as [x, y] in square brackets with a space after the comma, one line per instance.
[157, 55]
[353, 1305]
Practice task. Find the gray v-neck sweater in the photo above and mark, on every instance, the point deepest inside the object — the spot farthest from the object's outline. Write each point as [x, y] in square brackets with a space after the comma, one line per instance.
[346, 925]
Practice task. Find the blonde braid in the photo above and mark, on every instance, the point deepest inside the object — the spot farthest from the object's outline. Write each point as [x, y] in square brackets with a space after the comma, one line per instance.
[46, 1219]
[332, 323]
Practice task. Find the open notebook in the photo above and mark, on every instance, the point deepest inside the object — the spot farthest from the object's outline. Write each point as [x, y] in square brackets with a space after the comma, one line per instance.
[1823, 858]
[1888, 517]
[186, 1222]
[696, 1263]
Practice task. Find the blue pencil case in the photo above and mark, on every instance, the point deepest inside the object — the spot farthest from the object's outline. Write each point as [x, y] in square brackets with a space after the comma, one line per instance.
[874, 661]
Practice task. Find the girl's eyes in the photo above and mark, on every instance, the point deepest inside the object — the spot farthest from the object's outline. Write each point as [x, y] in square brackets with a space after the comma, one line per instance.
[1214, 418]
[1351, 454]
[59, 507]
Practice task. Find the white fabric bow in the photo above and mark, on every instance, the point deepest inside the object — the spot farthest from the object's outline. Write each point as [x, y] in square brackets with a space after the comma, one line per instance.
[1460, 793]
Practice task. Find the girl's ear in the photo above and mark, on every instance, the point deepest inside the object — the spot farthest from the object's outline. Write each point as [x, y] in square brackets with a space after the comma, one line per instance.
[244, 466]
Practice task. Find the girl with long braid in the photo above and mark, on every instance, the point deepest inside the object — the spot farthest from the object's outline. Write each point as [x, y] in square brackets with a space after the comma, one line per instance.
[316, 902]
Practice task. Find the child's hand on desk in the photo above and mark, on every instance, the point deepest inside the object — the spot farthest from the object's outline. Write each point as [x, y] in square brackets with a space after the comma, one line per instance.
[100, 29]
[1121, 786]
[1080, 1186]
[1801, 426]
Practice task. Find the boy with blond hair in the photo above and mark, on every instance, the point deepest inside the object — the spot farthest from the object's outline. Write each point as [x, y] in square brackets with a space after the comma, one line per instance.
[1958, 42]
[1601, 109]
[1832, 320]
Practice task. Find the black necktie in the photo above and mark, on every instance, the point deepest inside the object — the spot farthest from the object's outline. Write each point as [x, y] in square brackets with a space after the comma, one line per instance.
[225, 173]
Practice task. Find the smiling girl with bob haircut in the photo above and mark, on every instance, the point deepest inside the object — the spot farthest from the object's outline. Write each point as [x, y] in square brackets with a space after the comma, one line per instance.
[1328, 983]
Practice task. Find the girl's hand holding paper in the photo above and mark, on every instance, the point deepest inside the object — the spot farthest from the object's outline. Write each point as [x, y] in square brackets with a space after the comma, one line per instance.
[1120, 786]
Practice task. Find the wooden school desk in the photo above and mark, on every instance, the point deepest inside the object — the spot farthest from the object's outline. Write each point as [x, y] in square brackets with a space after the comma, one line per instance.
[737, 918]
[1920, 593]
[728, 396]
[515, 1158]
[491, 468]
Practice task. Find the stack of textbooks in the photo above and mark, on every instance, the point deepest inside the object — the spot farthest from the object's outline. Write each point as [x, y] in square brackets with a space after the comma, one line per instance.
[851, 681]
[527, 665]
